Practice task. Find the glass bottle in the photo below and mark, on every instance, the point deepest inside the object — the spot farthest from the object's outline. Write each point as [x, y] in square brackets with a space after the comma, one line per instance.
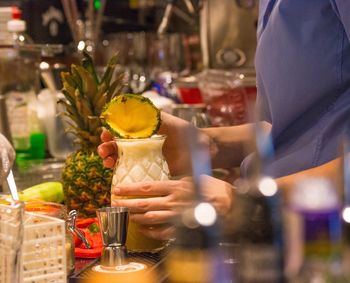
[20, 86]
[140, 160]
[17, 28]
[258, 218]
[259, 231]
[345, 199]
[195, 255]
[316, 203]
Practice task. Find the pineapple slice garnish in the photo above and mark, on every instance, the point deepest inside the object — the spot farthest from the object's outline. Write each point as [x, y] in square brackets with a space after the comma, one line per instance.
[131, 116]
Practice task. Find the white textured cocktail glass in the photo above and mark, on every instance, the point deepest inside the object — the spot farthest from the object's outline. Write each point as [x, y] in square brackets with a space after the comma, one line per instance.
[140, 160]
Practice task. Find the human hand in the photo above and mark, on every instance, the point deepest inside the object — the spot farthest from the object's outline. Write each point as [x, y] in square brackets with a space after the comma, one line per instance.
[176, 149]
[108, 149]
[164, 201]
[7, 157]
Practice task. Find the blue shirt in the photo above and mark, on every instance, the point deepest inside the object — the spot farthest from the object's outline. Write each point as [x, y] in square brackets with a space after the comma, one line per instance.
[303, 80]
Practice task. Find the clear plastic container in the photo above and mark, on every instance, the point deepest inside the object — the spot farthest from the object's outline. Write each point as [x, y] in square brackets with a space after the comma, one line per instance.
[58, 211]
[60, 144]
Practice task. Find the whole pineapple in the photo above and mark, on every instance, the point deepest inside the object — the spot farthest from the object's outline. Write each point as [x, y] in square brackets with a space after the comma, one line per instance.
[86, 182]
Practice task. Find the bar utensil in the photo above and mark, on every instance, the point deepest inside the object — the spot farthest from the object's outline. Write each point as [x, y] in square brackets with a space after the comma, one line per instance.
[72, 216]
[114, 226]
[12, 185]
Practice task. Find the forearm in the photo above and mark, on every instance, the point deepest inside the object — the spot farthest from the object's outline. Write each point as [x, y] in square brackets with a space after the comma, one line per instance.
[231, 144]
[328, 170]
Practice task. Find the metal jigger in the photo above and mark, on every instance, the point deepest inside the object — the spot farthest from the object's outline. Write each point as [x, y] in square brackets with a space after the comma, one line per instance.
[114, 227]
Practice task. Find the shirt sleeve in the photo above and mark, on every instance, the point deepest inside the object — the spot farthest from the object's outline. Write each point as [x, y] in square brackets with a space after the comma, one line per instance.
[342, 8]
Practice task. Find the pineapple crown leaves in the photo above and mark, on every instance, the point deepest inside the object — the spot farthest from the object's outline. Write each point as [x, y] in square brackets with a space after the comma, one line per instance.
[85, 96]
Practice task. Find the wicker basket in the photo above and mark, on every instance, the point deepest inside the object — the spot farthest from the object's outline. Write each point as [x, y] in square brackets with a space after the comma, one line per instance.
[41, 254]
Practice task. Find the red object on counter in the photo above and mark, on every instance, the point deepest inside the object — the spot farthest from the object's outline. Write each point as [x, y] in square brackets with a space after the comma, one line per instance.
[190, 95]
[88, 253]
[85, 222]
[188, 90]
[91, 230]
[228, 107]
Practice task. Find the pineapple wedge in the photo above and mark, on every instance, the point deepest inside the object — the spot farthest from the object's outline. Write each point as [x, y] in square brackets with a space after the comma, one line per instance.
[131, 116]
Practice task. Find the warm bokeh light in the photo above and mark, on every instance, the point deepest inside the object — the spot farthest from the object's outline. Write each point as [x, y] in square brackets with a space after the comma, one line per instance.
[205, 214]
[44, 65]
[346, 214]
[89, 48]
[268, 186]
[81, 45]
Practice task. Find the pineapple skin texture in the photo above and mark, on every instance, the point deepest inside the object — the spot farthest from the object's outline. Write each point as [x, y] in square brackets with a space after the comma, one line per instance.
[86, 183]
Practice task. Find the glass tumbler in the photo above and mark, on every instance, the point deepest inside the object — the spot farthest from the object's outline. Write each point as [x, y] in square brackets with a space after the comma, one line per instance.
[140, 160]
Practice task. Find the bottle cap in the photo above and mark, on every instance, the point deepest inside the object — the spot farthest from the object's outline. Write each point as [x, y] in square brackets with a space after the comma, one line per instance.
[16, 13]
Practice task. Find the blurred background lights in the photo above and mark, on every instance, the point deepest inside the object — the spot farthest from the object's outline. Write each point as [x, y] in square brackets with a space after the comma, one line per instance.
[346, 214]
[268, 186]
[81, 45]
[205, 214]
[21, 38]
[89, 48]
[44, 65]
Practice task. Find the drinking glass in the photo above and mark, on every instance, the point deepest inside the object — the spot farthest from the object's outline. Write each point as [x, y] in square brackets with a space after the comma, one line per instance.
[194, 113]
[140, 160]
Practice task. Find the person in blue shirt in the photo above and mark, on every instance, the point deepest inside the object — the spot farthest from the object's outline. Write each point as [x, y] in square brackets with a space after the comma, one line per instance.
[303, 76]
[303, 82]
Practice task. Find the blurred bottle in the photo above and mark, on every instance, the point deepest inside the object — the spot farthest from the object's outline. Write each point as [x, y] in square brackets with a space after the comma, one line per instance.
[258, 215]
[259, 232]
[17, 28]
[195, 255]
[345, 198]
[316, 201]
[19, 84]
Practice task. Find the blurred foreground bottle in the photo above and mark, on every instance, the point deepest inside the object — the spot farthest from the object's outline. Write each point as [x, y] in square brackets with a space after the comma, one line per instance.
[258, 216]
[345, 198]
[194, 256]
[260, 233]
[317, 204]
